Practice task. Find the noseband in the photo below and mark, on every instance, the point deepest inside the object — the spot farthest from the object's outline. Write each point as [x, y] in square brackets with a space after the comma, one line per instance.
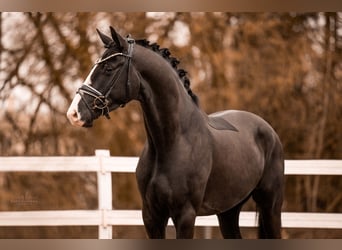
[102, 101]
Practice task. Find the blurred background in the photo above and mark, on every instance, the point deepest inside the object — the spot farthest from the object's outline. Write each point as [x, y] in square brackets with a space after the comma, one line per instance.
[285, 67]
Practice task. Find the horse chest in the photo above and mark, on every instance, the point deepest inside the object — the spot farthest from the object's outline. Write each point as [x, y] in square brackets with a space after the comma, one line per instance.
[171, 182]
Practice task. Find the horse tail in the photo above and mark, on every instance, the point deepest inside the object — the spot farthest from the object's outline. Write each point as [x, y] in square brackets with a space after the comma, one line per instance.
[270, 191]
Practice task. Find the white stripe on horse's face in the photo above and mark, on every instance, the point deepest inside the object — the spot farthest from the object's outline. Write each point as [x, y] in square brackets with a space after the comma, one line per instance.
[87, 81]
[73, 114]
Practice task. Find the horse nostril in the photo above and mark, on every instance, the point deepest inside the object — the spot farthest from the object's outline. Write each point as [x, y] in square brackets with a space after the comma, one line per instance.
[72, 115]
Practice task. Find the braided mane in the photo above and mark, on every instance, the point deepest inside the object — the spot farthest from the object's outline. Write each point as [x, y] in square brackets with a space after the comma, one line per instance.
[166, 54]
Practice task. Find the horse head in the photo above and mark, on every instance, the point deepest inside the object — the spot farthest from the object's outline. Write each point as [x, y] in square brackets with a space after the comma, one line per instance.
[112, 82]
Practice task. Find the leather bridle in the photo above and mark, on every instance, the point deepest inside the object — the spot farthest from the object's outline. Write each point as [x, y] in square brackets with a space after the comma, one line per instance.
[102, 101]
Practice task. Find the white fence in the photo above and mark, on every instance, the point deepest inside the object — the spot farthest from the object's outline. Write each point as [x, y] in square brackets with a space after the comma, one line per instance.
[106, 217]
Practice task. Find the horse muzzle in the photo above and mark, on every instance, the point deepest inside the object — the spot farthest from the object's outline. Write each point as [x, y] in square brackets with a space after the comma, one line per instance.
[74, 119]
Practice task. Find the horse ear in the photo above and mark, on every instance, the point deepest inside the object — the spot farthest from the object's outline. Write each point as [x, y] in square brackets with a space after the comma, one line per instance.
[105, 39]
[119, 41]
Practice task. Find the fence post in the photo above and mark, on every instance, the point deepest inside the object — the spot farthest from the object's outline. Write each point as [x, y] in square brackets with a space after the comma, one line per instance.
[104, 185]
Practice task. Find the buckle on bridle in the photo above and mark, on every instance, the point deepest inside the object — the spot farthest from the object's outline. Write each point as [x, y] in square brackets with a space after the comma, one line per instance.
[102, 103]
[129, 39]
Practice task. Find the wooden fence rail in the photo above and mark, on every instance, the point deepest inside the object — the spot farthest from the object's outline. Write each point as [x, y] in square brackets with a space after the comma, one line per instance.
[106, 217]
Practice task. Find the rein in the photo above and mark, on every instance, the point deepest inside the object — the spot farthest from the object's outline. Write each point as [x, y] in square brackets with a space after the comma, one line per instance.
[102, 101]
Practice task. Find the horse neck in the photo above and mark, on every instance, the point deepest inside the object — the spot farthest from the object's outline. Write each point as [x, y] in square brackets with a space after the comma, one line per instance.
[166, 105]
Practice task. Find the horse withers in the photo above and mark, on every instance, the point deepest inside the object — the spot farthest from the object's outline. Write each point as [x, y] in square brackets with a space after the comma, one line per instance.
[192, 164]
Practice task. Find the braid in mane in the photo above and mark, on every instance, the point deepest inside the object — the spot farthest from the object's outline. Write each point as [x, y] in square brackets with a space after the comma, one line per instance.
[166, 54]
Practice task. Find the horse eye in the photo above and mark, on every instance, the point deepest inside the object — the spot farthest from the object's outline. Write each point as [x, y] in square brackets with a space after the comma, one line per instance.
[108, 68]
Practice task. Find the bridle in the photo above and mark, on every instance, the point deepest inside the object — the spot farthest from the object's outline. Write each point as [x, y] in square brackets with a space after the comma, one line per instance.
[102, 101]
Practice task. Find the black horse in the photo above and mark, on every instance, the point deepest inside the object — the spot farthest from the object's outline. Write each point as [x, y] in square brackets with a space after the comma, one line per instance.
[192, 164]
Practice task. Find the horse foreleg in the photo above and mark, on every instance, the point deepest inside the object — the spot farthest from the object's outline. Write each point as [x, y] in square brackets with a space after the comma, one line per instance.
[184, 222]
[155, 224]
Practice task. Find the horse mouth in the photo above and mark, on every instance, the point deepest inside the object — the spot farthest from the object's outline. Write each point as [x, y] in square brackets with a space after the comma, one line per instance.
[88, 124]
